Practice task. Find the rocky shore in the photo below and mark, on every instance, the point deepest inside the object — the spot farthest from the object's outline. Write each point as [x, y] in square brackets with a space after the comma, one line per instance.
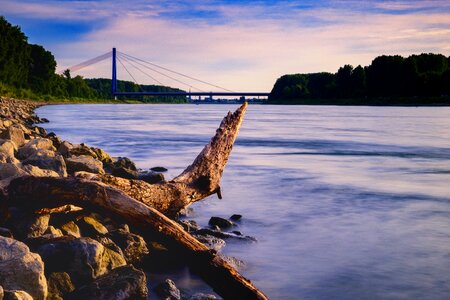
[71, 251]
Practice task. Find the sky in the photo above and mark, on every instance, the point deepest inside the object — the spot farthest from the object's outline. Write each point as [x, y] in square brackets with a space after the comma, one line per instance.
[240, 45]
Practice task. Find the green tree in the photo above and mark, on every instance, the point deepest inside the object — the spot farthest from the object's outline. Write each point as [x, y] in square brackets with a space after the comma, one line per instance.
[42, 68]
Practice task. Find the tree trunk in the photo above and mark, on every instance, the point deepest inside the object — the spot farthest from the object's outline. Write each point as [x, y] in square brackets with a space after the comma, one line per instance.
[48, 192]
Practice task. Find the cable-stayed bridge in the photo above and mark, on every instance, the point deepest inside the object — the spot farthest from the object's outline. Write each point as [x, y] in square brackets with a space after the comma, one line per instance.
[155, 72]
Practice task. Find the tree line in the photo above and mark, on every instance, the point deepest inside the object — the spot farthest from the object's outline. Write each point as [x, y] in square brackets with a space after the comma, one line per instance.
[29, 70]
[416, 79]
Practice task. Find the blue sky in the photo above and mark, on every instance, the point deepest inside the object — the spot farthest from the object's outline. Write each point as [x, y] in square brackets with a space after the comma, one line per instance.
[243, 45]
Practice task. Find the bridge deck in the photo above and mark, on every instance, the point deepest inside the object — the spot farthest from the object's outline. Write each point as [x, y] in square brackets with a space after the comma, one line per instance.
[186, 94]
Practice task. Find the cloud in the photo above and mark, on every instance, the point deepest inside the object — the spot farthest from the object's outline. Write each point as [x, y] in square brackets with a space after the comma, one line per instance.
[248, 46]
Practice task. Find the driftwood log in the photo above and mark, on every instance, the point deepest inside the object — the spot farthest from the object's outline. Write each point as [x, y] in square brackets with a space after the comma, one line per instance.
[145, 206]
[198, 181]
[49, 192]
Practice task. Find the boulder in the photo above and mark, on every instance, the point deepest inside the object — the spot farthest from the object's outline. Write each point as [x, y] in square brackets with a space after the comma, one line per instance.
[53, 232]
[167, 290]
[15, 134]
[8, 170]
[64, 148]
[7, 147]
[59, 285]
[33, 146]
[120, 284]
[70, 228]
[38, 172]
[26, 224]
[1, 289]
[82, 149]
[49, 160]
[133, 246]
[91, 227]
[123, 167]
[102, 155]
[84, 259]
[5, 232]
[221, 222]
[21, 269]
[17, 295]
[84, 163]
[151, 177]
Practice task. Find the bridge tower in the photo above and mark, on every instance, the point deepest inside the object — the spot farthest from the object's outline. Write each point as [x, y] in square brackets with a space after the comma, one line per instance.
[114, 74]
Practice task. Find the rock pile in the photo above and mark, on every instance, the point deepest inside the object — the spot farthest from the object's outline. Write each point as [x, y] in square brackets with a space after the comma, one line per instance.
[68, 252]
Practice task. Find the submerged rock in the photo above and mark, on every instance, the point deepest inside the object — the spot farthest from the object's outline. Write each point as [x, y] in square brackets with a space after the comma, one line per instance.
[235, 217]
[120, 284]
[151, 177]
[159, 169]
[167, 290]
[211, 242]
[221, 222]
[21, 269]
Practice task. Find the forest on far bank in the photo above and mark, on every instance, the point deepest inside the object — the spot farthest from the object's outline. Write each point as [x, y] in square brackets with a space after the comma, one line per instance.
[29, 71]
[417, 79]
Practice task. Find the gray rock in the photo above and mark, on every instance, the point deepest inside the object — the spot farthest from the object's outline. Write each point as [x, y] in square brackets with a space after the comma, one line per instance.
[17, 295]
[27, 224]
[59, 285]
[10, 170]
[91, 227]
[70, 228]
[189, 225]
[82, 258]
[221, 222]
[53, 232]
[5, 232]
[235, 217]
[33, 146]
[21, 269]
[123, 167]
[64, 148]
[158, 169]
[38, 172]
[133, 246]
[167, 290]
[120, 284]
[15, 134]
[201, 296]
[84, 163]
[211, 242]
[151, 177]
[47, 159]
[7, 147]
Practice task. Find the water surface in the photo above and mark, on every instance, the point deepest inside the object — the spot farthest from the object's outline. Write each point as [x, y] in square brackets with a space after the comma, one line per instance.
[346, 202]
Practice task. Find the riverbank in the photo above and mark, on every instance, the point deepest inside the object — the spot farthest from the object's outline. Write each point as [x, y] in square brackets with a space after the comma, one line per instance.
[76, 251]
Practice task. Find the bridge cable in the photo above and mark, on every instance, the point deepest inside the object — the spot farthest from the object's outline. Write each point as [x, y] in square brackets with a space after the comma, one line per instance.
[90, 62]
[178, 73]
[143, 72]
[130, 74]
[179, 81]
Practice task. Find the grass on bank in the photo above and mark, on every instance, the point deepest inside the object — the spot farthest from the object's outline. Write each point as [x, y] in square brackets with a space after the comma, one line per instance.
[27, 94]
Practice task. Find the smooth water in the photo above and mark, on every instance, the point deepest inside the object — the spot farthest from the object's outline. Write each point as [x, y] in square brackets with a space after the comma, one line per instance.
[346, 202]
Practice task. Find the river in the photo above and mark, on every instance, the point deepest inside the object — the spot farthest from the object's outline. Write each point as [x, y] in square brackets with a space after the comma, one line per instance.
[345, 202]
